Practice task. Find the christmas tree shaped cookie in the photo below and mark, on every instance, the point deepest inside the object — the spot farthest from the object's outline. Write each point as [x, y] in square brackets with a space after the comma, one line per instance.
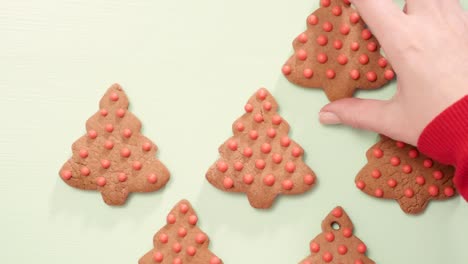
[114, 157]
[398, 171]
[260, 159]
[337, 243]
[180, 241]
[337, 53]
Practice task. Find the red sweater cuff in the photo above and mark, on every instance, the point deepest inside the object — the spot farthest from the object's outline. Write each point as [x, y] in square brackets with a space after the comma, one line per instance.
[445, 139]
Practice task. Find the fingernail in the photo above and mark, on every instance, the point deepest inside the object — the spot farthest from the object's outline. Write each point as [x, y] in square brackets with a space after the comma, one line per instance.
[329, 118]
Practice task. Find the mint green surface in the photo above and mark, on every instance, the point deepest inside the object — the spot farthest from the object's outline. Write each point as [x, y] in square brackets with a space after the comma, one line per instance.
[188, 68]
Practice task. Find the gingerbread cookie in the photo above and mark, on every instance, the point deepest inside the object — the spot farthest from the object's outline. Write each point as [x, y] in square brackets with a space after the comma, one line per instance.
[337, 243]
[396, 170]
[114, 157]
[260, 159]
[337, 52]
[180, 241]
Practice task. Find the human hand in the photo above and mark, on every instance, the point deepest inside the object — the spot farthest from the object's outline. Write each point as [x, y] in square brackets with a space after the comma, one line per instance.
[427, 46]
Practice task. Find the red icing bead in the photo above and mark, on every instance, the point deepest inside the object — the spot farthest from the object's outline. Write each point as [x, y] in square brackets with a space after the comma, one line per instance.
[277, 158]
[407, 169]
[330, 74]
[337, 44]
[83, 153]
[358, 261]
[327, 26]
[354, 74]
[215, 260]
[238, 166]
[125, 152]
[120, 112]
[347, 2]
[253, 134]
[193, 219]
[413, 153]
[109, 128]
[137, 165]
[122, 177]
[146, 146]
[285, 141]
[449, 191]
[314, 247]
[376, 173]
[382, 62]
[433, 190]
[296, 152]
[392, 183]
[158, 256]
[232, 145]
[366, 34]
[85, 171]
[103, 112]
[354, 46]
[200, 238]
[428, 163]
[342, 249]
[177, 261]
[361, 248]
[92, 134]
[127, 133]
[378, 192]
[329, 237]
[344, 29]
[312, 19]
[371, 76]
[191, 251]
[336, 10]
[308, 73]
[347, 232]
[260, 164]
[267, 106]
[395, 161]
[337, 212]
[361, 185]
[438, 175]
[171, 219]
[228, 183]
[163, 238]
[276, 119]
[105, 163]
[286, 70]
[322, 40]
[290, 167]
[309, 179]
[266, 148]
[248, 152]
[177, 247]
[109, 144]
[269, 180]
[389, 74]
[258, 118]
[66, 174]
[378, 153]
[327, 257]
[322, 58]
[287, 184]
[325, 3]
[354, 18]
[248, 179]
[302, 38]
[271, 132]
[183, 208]
[301, 54]
[222, 166]
[400, 144]
[261, 94]
[240, 127]
[152, 178]
[372, 46]
[420, 180]
[248, 108]
[363, 59]
[409, 193]
[114, 96]
[342, 59]
[182, 232]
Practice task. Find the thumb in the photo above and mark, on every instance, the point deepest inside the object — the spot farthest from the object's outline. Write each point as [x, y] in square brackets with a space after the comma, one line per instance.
[374, 115]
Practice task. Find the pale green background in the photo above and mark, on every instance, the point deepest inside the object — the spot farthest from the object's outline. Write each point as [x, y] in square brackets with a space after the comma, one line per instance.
[188, 68]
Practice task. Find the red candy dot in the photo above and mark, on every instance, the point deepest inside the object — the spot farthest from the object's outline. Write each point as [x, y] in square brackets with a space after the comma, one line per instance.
[191, 251]
[260, 164]
[146, 146]
[276, 119]
[438, 175]
[354, 74]
[420, 180]
[83, 153]
[371, 76]
[105, 163]
[222, 166]
[253, 134]
[361, 185]
[285, 141]
[395, 161]
[342, 59]
[392, 183]
[182, 232]
[127, 133]
[382, 62]
[389, 74]
[344, 29]
[312, 19]
[337, 44]
[354, 46]
[287, 184]
[363, 59]
[158, 257]
[228, 183]
[248, 152]
[327, 26]
[378, 192]
[362, 248]
[301, 54]
[322, 58]
[290, 167]
[238, 166]
[232, 145]
[66, 174]
[265, 148]
[309, 179]
[342, 249]
[120, 112]
[109, 144]
[152, 178]
[378, 153]
[193, 219]
[101, 181]
[428, 163]
[433, 190]
[286, 70]
[376, 173]
[247, 179]
[354, 18]
[103, 112]
[407, 169]
[358, 261]
[137, 165]
[171, 219]
[114, 96]
[347, 232]
[271, 132]
[302, 38]
[109, 128]
[125, 152]
[449, 191]
[347, 2]
[267, 106]
[248, 108]
[277, 158]
[413, 153]
[296, 152]
[329, 237]
[372, 46]
[258, 118]
[122, 177]
[366, 34]
[400, 144]
[269, 180]
[327, 257]
[177, 261]
[325, 3]
[183, 208]
[337, 212]
[322, 40]
[240, 127]
[409, 193]
[200, 238]
[336, 10]
[330, 74]
[177, 247]
[262, 94]
[92, 134]
[308, 73]
[163, 238]
[314, 247]
[215, 260]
